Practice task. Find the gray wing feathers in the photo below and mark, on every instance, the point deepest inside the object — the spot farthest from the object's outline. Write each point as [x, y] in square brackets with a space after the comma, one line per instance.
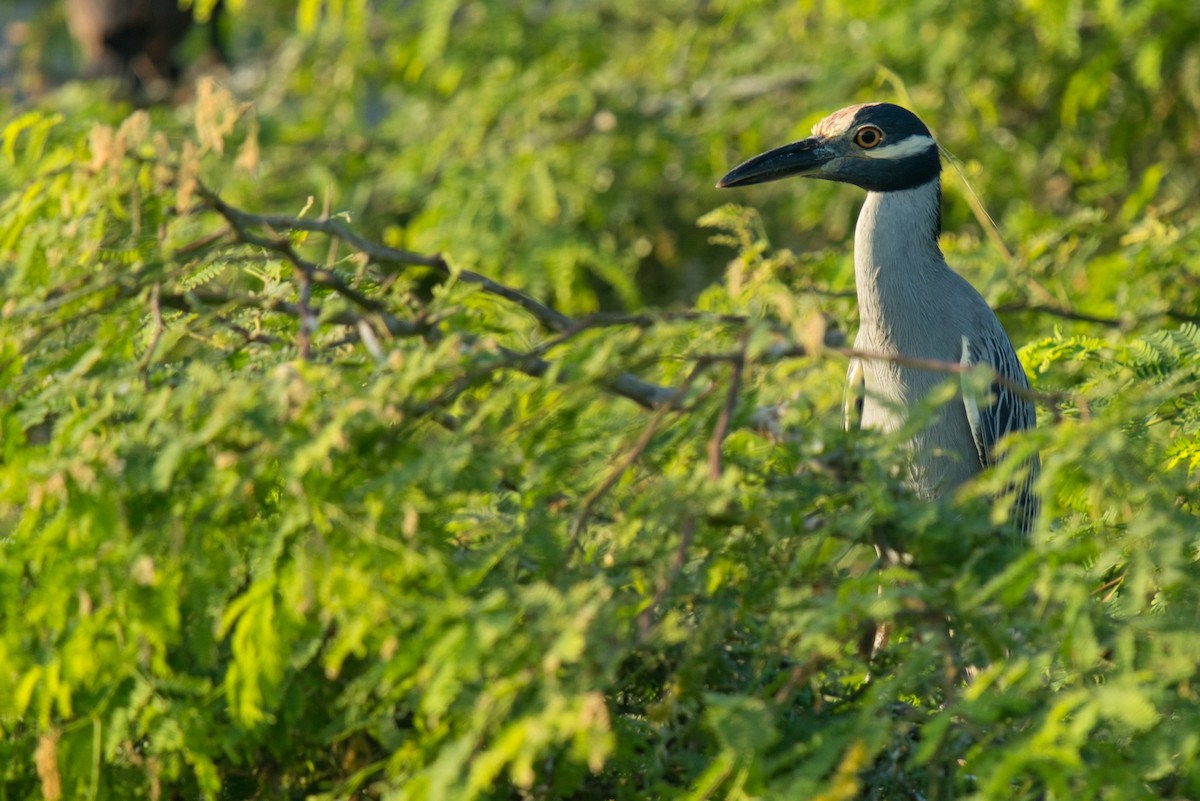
[1001, 412]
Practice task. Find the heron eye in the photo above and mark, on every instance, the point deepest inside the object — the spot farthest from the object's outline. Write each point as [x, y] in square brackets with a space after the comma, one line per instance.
[868, 137]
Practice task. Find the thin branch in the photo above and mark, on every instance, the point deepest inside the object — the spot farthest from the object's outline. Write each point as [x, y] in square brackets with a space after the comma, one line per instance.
[1181, 317]
[251, 337]
[1049, 309]
[646, 394]
[1059, 311]
[937, 366]
[381, 254]
[639, 447]
[785, 351]
[1109, 322]
[1111, 586]
[202, 242]
[640, 320]
[723, 420]
[307, 273]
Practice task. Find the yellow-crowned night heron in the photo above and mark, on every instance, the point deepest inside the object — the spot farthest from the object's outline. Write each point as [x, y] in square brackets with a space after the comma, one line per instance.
[910, 303]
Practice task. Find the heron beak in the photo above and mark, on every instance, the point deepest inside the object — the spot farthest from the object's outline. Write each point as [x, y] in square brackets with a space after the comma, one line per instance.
[799, 158]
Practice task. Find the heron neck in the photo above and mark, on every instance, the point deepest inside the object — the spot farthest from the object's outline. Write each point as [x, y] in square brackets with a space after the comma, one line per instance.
[897, 260]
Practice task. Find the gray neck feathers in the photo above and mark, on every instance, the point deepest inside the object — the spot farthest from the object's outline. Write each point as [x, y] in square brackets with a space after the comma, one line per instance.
[897, 261]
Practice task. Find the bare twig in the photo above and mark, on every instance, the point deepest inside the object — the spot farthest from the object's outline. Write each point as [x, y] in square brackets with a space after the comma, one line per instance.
[1058, 311]
[380, 254]
[723, 420]
[202, 242]
[639, 447]
[1110, 587]
[787, 350]
[938, 366]
[1109, 322]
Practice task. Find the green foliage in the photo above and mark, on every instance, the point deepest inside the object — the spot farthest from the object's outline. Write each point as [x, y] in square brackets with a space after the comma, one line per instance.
[286, 514]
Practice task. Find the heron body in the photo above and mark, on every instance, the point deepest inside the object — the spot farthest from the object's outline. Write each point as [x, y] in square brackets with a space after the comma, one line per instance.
[911, 304]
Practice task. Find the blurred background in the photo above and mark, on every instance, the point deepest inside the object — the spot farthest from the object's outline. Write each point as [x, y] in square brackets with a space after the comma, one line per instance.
[569, 146]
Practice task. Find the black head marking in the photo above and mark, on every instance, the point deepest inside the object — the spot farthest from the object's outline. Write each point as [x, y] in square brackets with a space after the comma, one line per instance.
[906, 156]
[895, 121]
[901, 154]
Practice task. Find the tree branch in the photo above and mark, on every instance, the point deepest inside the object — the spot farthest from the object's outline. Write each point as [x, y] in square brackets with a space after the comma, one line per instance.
[632, 456]
[1109, 322]
[723, 420]
[646, 394]
[243, 221]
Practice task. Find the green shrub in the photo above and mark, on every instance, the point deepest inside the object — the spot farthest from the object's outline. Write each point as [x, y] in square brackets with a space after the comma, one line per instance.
[288, 511]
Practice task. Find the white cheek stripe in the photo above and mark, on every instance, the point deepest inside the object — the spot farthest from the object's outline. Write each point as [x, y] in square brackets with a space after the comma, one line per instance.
[902, 149]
